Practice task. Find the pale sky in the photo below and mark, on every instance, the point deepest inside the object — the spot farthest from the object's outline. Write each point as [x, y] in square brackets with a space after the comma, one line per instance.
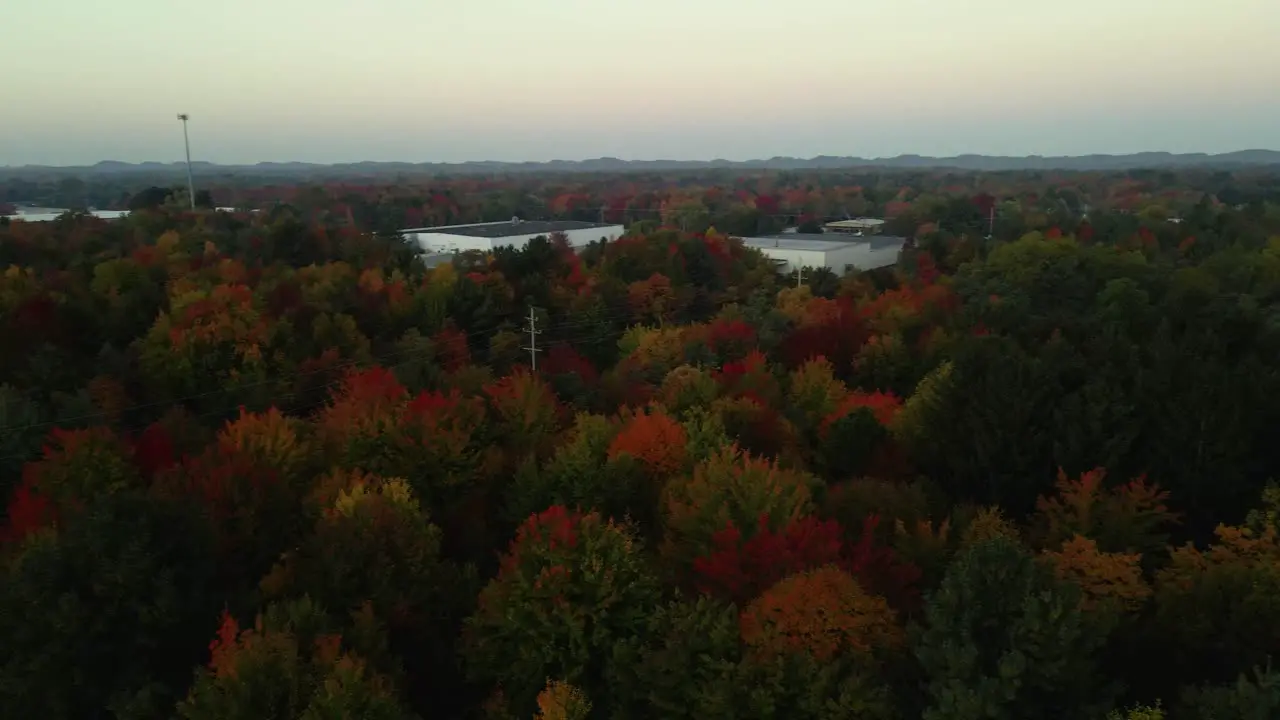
[426, 80]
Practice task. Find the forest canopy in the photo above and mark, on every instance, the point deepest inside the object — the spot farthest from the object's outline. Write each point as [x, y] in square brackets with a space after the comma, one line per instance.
[264, 463]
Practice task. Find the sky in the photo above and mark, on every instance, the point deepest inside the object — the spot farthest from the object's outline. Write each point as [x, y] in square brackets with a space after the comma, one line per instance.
[452, 80]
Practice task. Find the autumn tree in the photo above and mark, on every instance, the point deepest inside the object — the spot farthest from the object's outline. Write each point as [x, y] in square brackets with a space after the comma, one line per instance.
[250, 483]
[680, 666]
[526, 414]
[815, 393]
[570, 586]
[374, 546]
[729, 487]
[856, 434]
[653, 439]
[691, 663]
[289, 666]
[1128, 517]
[1003, 638]
[216, 344]
[687, 387]
[562, 701]
[434, 439]
[1106, 580]
[747, 561]
[582, 473]
[1220, 606]
[821, 612]
[108, 613]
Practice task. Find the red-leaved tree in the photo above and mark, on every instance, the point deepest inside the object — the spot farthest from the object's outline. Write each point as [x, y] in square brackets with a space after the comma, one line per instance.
[741, 567]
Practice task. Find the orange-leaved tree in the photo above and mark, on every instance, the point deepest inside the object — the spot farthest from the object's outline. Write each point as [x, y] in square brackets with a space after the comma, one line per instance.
[823, 613]
[562, 701]
[653, 439]
[1107, 580]
[1128, 517]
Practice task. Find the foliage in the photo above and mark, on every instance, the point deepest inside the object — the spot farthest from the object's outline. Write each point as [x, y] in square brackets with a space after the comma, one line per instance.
[1127, 517]
[1140, 712]
[1103, 578]
[820, 612]
[107, 612]
[580, 474]
[570, 586]
[1037, 419]
[1002, 638]
[562, 701]
[277, 670]
[1220, 604]
[654, 440]
[730, 487]
[1247, 698]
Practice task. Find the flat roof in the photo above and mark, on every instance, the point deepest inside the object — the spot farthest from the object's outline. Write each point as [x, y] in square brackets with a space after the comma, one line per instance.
[822, 241]
[508, 228]
[857, 223]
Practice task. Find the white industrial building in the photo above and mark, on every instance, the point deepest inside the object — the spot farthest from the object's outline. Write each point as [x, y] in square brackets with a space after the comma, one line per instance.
[516, 233]
[839, 253]
[34, 214]
[856, 226]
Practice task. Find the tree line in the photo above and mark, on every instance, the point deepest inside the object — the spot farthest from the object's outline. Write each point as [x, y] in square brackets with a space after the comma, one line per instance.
[267, 465]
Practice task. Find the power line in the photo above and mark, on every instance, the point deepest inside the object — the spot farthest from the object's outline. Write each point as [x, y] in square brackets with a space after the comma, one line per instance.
[350, 363]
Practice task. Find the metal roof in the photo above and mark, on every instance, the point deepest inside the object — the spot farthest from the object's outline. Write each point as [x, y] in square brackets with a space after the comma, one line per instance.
[862, 222]
[509, 228]
[822, 242]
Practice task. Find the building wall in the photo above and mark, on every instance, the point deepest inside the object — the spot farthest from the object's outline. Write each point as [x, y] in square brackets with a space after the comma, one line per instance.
[792, 258]
[862, 256]
[859, 255]
[448, 242]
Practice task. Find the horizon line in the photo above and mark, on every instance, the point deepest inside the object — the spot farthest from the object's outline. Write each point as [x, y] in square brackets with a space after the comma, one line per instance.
[614, 158]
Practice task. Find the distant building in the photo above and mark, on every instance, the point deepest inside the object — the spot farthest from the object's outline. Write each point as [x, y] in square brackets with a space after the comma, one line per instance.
[35, 214]
[516, 233]
[857, 226]
[796, 250]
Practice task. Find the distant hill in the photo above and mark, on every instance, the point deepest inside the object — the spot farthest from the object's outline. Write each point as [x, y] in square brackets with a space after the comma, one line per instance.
[1152, 160]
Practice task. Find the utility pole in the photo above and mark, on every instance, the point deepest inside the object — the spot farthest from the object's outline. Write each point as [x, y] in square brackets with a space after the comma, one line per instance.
[799, 276]
[534, 332]
[991, 222]
[186, 141]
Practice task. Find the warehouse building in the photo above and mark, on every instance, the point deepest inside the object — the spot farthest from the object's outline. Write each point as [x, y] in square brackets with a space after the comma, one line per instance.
[33, 214]
[840, 254]
[516, 233]
[856, 226]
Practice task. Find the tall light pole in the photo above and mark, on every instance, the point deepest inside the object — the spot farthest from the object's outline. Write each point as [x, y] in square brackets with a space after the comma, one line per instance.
[191, 185]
